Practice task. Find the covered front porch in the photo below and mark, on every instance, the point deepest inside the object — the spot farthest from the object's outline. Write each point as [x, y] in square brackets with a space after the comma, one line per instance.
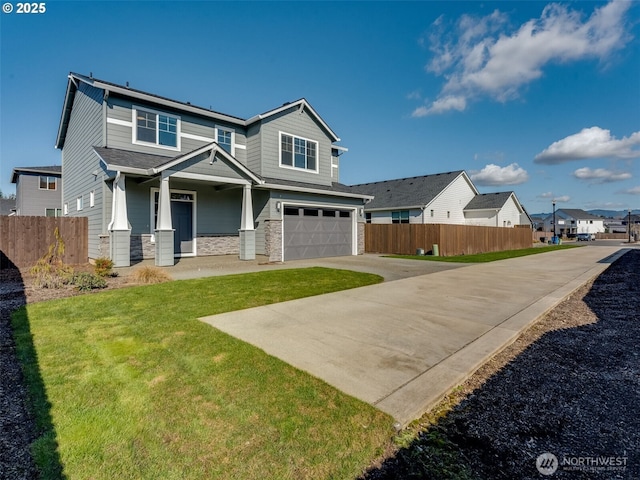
[196, 204]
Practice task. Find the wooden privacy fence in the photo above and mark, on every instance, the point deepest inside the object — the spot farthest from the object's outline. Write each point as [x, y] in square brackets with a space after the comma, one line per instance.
[406, 239]
[23, 240]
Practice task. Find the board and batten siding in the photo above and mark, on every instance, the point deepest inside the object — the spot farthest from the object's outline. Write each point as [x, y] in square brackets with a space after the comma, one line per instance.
[120, 130]
[292, 122]
[79, 162]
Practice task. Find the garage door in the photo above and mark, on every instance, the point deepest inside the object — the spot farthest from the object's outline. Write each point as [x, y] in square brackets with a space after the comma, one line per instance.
[316, 232]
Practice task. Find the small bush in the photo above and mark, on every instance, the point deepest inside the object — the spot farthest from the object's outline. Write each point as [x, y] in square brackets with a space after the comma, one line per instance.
[149, 274]
[50, 271]
[103, 266]
[85, 281]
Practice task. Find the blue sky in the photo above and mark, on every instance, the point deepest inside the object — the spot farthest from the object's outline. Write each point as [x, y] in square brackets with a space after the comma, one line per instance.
[537, 97]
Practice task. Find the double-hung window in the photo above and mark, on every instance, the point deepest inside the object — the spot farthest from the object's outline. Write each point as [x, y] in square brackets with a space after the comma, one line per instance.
[401, 216]
[299, 153]
[156, 128]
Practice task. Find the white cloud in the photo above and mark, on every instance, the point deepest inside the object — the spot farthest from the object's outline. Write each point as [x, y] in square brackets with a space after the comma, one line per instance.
[600, 175]
[632, 190]
[495, 175]
[481, 58]
[546, 195]
[562, 199]
[593, 142]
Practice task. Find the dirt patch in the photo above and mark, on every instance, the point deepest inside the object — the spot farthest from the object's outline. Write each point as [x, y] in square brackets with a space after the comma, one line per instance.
[569, 386]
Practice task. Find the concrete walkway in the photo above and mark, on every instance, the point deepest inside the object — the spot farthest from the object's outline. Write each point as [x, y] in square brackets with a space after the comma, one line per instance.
[402, 345]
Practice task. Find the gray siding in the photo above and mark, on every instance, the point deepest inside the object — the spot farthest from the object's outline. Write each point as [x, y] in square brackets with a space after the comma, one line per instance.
[32, 200]
[300, 124]
[121, 136]
[79, 161]
[254, 149]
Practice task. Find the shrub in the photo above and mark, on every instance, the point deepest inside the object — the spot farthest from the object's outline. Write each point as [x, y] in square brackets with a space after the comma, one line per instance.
[149, 274]
[50, 271]
[86, 281]
[103, 266]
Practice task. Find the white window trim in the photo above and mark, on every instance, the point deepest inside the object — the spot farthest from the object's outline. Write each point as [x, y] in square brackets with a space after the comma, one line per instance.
[134, 129]
[233, 137]
[92, 199]
[79, 203]
[293, 167]
[65, 209]
[48, 177]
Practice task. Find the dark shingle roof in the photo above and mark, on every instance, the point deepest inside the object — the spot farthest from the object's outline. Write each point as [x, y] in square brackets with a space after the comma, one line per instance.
[486, 201]
[128, 159]
[578, 214]
[406, 192]
[7, 205]
[48, 170]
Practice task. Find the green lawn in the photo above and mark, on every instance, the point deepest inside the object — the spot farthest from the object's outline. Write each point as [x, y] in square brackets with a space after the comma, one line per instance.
[129, 384]
[487, 257]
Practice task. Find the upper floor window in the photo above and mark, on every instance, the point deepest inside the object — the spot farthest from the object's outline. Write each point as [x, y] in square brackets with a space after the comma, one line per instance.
[48, 183]
[297, 152]
[224, 137]
[156, 128]
[401, 216]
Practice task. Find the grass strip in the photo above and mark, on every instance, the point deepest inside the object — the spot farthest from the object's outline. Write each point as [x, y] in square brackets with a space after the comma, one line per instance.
[129, 384]
[487, 257]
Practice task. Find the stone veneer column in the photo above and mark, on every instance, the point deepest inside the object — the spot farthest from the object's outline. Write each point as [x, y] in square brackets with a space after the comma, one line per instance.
[361, 233]
[273, 240]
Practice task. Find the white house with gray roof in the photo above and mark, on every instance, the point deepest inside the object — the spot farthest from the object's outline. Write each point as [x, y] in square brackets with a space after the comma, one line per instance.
[160, 178]
[571, 221]
[449, 197]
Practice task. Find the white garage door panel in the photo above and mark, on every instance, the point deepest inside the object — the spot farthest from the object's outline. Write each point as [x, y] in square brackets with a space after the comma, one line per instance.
[316, 233]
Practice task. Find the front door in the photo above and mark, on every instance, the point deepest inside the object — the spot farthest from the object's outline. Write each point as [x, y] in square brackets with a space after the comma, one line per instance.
[182, 220]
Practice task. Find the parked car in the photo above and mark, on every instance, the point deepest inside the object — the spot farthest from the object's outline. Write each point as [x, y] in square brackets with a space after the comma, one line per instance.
[586, 237]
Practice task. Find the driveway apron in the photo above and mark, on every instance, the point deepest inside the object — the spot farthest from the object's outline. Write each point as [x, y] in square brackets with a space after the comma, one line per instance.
[402, 345]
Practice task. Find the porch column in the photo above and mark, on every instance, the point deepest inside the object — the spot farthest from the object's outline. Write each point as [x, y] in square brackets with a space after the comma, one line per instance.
[119, 230]
[247, 228]
[164, 228]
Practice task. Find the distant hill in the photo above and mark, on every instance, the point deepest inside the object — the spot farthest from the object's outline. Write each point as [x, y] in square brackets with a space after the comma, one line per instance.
[598, 213]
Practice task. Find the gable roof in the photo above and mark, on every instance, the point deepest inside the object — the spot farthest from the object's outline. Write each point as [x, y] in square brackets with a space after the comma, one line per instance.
[148, 164]
[53, 170]
[491, 201]
[411, 192]
[126, 91]
[577, 213]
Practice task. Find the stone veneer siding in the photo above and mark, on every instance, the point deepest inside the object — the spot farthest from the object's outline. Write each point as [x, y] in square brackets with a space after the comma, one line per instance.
[273, 240]
[361, 228]
[142, 248]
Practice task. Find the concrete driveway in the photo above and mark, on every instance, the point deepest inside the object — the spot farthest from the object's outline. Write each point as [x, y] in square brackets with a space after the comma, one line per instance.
[403, 344]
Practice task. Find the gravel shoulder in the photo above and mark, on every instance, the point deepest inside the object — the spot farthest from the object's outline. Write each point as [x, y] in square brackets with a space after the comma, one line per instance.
[569, 385]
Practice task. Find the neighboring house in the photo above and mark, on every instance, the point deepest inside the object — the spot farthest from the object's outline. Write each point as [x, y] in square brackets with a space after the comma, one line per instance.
[501, 209]
[7, 206]
[38, 190]
[571, 221]
[159, 178]
[438, 198]
[449, 197]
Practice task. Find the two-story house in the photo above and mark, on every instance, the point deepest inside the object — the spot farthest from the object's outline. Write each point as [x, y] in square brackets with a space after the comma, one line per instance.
[571, 221]
[160, 178]
[38, 190]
